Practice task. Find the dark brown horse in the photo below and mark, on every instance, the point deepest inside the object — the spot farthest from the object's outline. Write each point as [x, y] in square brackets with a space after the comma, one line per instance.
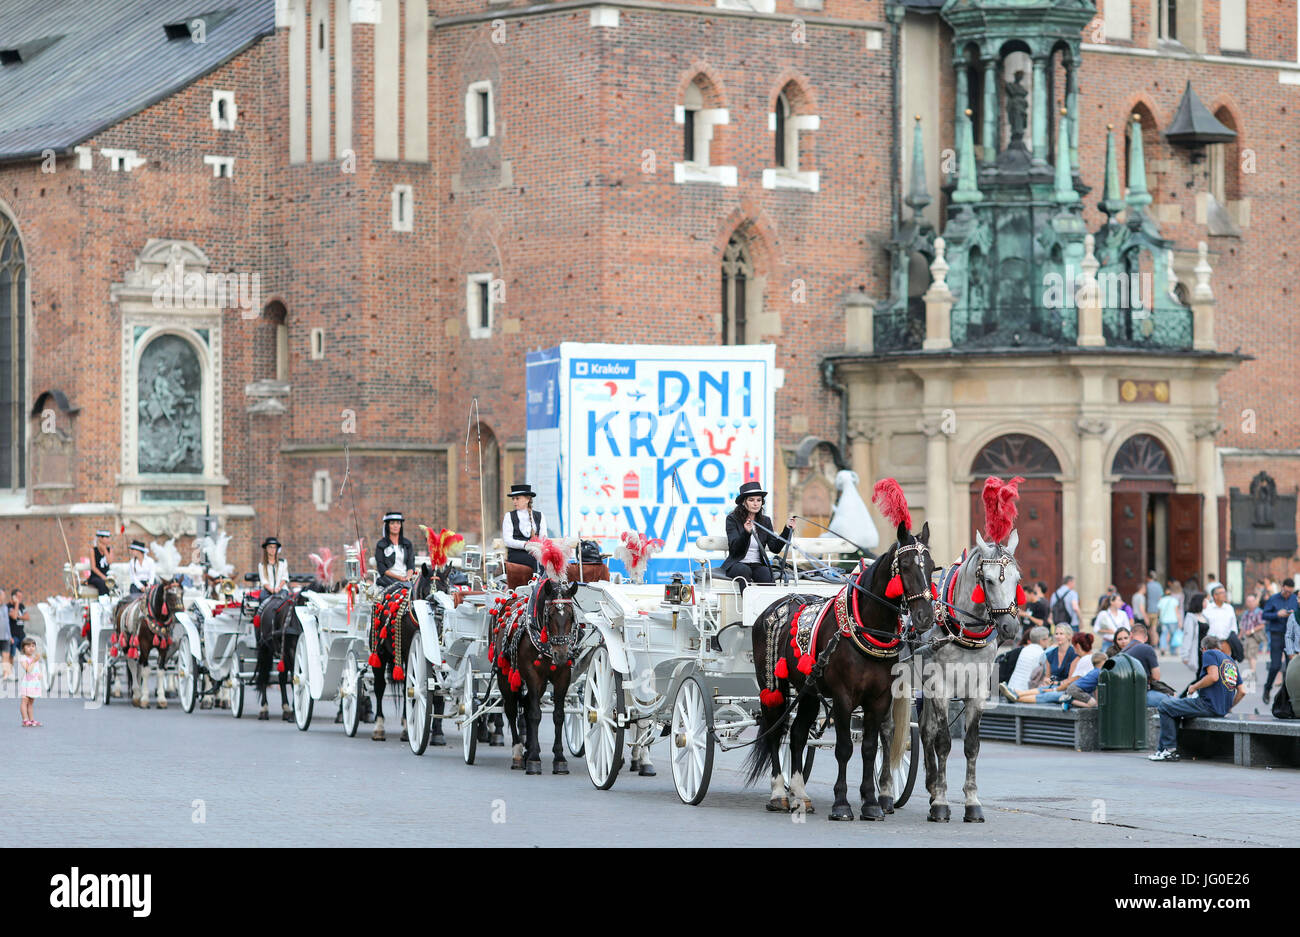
[844, 650]
[392, 625]
[276, 629]
[534, 640]
[142, 623]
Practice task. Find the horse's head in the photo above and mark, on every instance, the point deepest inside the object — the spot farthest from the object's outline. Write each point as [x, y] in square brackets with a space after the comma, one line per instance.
[424, 583]
[173, 601]
[559, 622]
[997, 578]
[911, 562]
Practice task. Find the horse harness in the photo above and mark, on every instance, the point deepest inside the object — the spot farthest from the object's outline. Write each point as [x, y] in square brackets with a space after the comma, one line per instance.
[388, 613]
[945, 612]
[519, 615]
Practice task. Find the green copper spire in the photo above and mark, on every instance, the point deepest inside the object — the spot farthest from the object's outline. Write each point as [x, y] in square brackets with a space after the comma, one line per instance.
[967, 190]
[1138, 196]
[1065, 194]
[1112, 201]
[918, 197]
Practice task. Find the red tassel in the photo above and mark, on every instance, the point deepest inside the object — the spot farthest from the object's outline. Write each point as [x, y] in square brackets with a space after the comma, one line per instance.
[374, 660]
[516, 681]
[383, 634]
[503, 663]
[112, 651]
[399, 674]
[771, 698]
[257, 621]
[1021, 598]
[492, 652]
[895, 588]
[806, 664]
[85, 629]
[782, 669]
[977, 594]
[164, 610]
[543, 636]
[934, 590]
[279, 666]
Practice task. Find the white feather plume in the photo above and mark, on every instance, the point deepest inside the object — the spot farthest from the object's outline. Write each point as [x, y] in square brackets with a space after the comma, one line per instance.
[167, 557]
[215, 551]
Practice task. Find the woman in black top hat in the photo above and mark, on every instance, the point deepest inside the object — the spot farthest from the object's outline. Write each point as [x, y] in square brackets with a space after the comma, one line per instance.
[99, 573]
[272, 572]
[394, 555]
[747, 535]
[521, 525]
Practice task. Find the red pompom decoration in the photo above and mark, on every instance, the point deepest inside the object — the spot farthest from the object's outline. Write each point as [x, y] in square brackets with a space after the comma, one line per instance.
[1021, 598]
[374, 660]
[279, 666]
[794, 629]
[399, 674]
[492, 652]
[516, 681]
[782, 669]
[895, 588]
[977, 594]
[112, 651]
[771, 698]
[934, 590]
[257, 621]
[553, 667]
[383, 634]
[543, 636]
[806, 664]
[537, 663]
[503, 663]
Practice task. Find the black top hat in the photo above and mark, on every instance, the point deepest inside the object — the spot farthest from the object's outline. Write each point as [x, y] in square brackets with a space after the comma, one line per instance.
[103, 533]
[523, 490]
[138, 545]
[271, 541]
[748, 490]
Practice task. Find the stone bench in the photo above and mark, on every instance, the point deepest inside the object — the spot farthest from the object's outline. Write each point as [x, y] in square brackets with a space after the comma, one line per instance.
[1032, 724]
[1248, 740]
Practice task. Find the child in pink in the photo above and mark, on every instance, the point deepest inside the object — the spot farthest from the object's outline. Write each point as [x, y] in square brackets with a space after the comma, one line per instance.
[29, 669]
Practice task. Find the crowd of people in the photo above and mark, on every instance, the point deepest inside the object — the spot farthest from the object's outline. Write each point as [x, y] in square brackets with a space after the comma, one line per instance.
[1062, 652]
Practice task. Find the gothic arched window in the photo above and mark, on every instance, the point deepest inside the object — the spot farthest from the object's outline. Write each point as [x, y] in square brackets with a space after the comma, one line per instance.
[737, 292]
[13, 356]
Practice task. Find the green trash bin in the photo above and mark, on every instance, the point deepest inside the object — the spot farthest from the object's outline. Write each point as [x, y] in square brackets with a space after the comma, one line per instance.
[1122, 704]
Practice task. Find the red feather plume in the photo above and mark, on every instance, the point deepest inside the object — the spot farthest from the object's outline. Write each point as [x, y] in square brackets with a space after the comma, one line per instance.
[550, 557]
[1000, 507]
[888, 496]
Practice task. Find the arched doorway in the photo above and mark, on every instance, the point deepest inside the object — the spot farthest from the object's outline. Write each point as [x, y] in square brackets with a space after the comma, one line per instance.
[1039, 522]
[1151, 527]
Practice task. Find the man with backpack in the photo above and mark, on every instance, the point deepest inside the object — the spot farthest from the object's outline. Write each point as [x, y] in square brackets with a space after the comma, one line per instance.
[1065, 604]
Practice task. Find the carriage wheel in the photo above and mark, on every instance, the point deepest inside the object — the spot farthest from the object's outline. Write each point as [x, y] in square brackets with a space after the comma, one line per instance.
[350, 693]
[602, 699]
[905, 773]
[573, 737]
[418, 709]
[72, 660]
[236, 691]
[105, 688]
[302, 701]
[186, 678]
[469, 727]
[692, 741]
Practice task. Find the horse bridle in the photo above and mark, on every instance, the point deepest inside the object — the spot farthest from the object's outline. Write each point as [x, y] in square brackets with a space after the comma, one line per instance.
[1002, 563]
[559, 648]
[916, 546]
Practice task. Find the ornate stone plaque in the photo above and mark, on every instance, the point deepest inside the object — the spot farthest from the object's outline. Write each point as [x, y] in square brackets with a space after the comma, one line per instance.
[171, 401]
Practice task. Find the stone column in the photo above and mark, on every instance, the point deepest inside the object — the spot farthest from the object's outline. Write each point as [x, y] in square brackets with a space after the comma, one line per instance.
[1093, 512]
[862, 435]
[938, 476]
[1207, 483]
[1040, 110]
[1072, 111]
[1203, 307]
[963, 90]
[938, 303]
[990, 135]
[859, 323]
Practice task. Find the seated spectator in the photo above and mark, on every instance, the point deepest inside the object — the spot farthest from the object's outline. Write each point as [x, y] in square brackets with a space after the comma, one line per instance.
[1194, 629]
[1061, 657]
[1079, 691]
[1254, 637]
[1110, 618]
[1009, 655]
[1216, 690]
[1140, 650]
[1081, 665]
[1031, 666]
[1122, 638]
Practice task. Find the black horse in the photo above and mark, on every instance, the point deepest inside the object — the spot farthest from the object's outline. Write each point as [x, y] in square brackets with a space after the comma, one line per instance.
[392, 626]
[534, 641]
[277, 629]
[843, 650]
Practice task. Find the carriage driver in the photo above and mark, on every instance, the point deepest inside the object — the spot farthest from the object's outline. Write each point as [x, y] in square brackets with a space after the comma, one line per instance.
[521, 525]
[142, 571]
[749, 530]
[99, 572]
[272, 572]
[394, 555]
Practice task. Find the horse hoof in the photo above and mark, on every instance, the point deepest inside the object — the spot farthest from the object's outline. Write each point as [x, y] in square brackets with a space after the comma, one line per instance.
[517, 764]
[779, 805]
[405, 736]
[841, 812]
[533, 767]
[646, 770]
[438, 741]
[974, 814]
[939, 813]
[808, 807]
[162, 704]
[137, 704]
[286, 716]
[263, 716]
[338, 717]
[886, 803]
[560, 767]
[872, 812]
[378, 736]
[205, 704]
[498, 741]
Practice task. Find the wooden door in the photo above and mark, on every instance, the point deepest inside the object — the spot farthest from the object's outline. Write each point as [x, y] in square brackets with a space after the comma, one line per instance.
[1039, 526]
[1185, 538]
[1128, 530]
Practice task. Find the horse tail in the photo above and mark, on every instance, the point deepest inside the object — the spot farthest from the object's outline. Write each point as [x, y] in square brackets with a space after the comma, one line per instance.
[902, 735]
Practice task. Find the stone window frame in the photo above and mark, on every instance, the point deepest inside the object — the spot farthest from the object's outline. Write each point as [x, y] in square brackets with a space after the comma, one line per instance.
[480, 103]
[474, 294]
[693, 116]
[790, 123]
[227, 120]
[1240, 7]
[21, 440]
[738, 263]
[403, 213]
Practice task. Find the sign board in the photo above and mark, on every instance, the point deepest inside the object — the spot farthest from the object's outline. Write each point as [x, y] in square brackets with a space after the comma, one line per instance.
[649, 438]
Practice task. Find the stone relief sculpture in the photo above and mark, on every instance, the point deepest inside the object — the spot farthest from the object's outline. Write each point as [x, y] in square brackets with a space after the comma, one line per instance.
[170, 401]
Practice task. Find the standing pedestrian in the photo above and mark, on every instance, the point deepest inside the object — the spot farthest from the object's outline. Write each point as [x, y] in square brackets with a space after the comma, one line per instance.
[1065, 604]
[1154, 594]
[1110, 618]
[1251, 629]
[6, 643]
[1276, 612]
[1223, 621]
[29, 663]
[1168, 615]
[1217, 690]
[1194, 629]
[18, 616]
[1139, 605]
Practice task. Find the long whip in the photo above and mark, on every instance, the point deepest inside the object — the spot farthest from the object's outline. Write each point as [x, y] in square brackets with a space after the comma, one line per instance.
[475, 422]
[72, 568]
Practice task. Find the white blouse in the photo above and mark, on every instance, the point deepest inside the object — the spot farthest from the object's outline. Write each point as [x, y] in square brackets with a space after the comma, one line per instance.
[271, 579]
[525, 528]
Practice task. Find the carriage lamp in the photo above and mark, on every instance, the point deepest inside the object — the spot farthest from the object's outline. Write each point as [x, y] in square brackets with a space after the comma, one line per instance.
[351, 563]
[678, 592]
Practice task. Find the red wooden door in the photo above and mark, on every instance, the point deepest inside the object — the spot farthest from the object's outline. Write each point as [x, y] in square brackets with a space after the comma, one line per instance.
[1185, 538]
[1039, 526]
[1128, 529]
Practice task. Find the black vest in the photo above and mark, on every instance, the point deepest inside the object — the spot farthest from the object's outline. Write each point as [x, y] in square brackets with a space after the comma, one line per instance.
[101, 562]
[537, 524]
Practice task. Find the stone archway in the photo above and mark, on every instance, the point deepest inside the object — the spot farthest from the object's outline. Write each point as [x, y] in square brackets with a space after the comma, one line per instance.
[1040, 523]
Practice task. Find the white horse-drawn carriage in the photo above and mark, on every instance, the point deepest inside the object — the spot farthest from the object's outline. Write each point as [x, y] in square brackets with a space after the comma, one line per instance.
[676, 660]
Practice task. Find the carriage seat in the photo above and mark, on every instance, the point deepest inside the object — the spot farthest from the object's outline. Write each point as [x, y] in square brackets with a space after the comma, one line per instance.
[712, 544]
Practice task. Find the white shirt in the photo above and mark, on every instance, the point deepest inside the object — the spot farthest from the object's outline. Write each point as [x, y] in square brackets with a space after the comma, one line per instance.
[1026, 664]
[271, 578]
[399, 559]
[141, 572]
[1108, 624]
[1084, 665]
[751, 555]
[1222, 619]
[525, 528]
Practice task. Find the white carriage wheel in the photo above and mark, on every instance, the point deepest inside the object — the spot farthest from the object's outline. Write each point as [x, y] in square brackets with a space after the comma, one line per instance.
[573, 724]
[49, 671]
[692, 741]
[236, 690]
[349, 694]
[104, 683]
[72, 661]
[468, 727]
[302, 701]
[186, 678]
[418, 710]
[602, 698]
